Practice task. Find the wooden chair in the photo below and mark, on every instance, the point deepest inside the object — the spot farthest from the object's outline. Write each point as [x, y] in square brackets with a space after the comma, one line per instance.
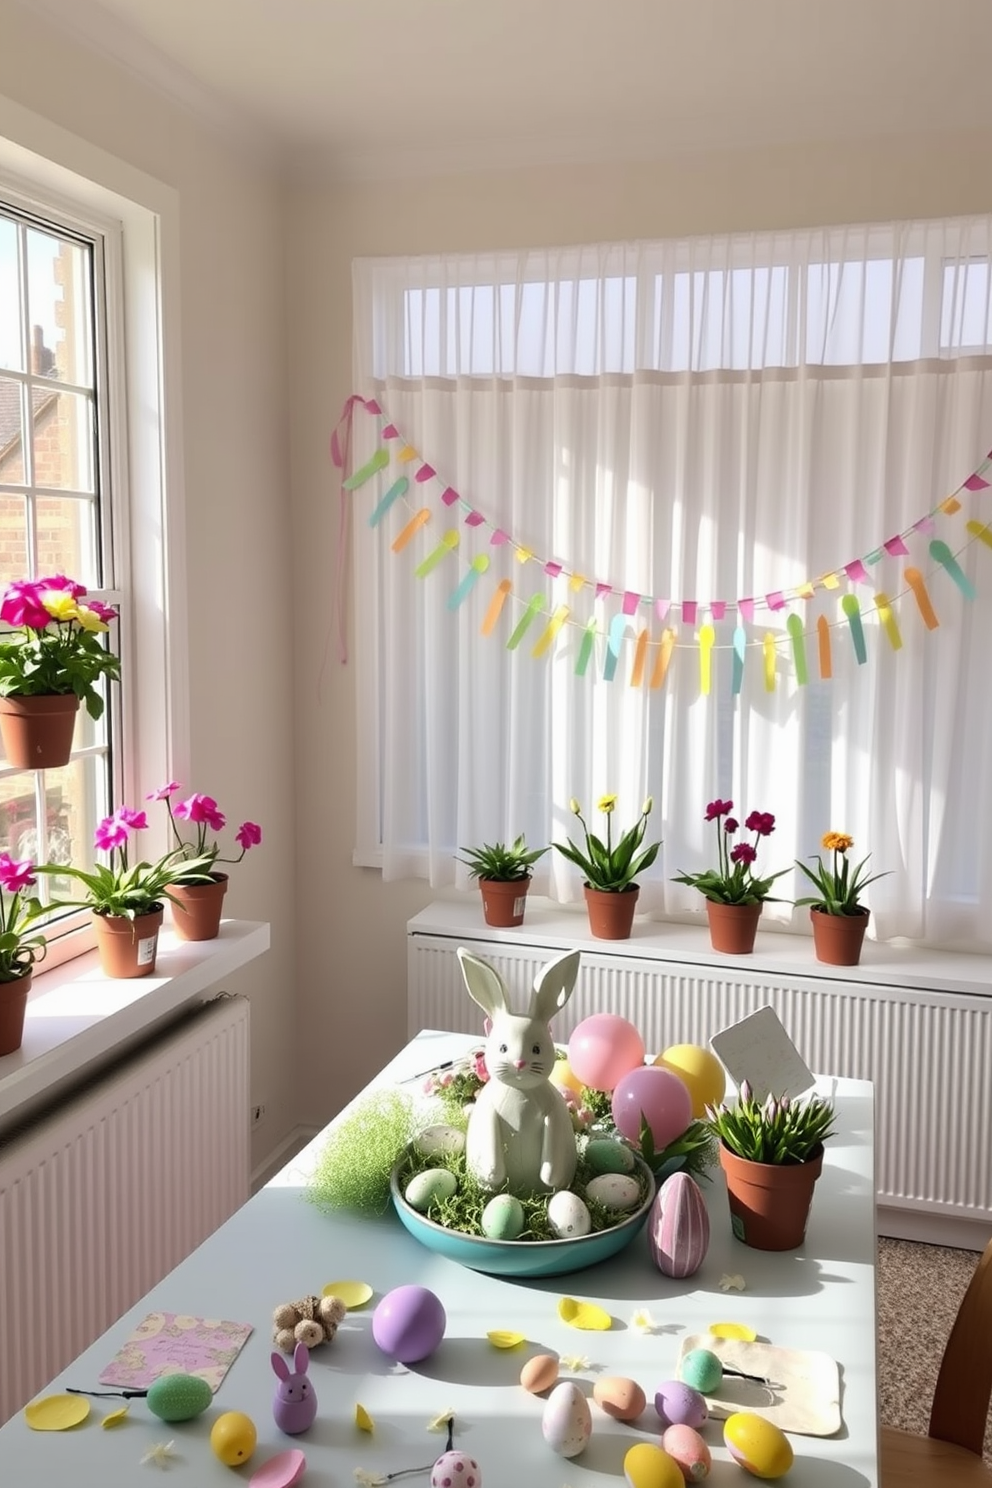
[951, 1452]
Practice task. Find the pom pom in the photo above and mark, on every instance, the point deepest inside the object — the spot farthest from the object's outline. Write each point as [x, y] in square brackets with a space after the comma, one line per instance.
[285, 1316]
[285, 1339]
[309, 1332]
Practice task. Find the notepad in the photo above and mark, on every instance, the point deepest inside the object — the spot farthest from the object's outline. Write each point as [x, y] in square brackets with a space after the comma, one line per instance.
[171, 1342]
[759, 1050]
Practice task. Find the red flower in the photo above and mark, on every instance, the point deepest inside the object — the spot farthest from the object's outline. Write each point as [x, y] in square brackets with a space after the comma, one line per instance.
[743, 853]
[761, 822]
[730, 825]
[717, 809]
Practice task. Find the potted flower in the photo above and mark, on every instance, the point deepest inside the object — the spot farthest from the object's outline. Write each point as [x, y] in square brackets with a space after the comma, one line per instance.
[610, 890]
[733, 892]
[771, 1153]
[504, 874]
[197, 901]
[127, 899]
[50, 665]
[19, 952]
[838, 918]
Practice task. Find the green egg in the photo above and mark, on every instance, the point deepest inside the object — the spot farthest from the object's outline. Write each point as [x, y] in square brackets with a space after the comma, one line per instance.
[179, 1397]
[427, 1187]
[606, 1156]
[503, 1218]
[702, 1370]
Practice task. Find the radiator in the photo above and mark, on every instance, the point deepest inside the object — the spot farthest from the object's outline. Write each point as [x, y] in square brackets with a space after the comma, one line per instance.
[928, 1053]
[103, 1196]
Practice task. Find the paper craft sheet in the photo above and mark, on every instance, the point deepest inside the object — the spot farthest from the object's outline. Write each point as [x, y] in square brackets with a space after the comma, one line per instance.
[174, 1342]
[804, 1396]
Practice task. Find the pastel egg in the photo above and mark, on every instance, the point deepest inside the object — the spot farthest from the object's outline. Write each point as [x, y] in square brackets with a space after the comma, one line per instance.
[568, 1215]
[757, 1445]
[539, 1373]
[178, 1397]
[427, 1188]
[456, 1470]
[440, 1140]
[503, 1217]
[606, 1156]
[409, 1323]
[621, 1398]
[648, 1466]
[614, 1191]
[679, 1404]
[689, 1451]
[701, 1369]
[233, 1437]
[566, 1421]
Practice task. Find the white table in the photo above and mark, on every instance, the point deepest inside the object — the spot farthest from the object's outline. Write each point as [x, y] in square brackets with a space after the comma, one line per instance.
[279, 1247]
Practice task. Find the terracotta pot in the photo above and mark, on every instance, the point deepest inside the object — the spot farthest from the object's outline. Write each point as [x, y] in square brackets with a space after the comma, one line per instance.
[503, 902]
[837, 939]
[13, 1004]
[733, 927]
[37, 731]
[611, 916]
[770, 1202]
[197, 908]
[128, 947]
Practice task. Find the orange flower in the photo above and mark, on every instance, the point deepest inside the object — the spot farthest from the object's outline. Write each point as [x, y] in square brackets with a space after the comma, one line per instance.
[837, 842]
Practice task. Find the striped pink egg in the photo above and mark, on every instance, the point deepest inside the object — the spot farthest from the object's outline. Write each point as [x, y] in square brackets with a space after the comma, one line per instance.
[678, 1226]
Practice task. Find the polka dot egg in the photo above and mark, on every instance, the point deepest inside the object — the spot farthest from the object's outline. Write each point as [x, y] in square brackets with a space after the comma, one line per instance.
[455, 1470]
[607, 1156]
[614, 1191]
[430, 1187]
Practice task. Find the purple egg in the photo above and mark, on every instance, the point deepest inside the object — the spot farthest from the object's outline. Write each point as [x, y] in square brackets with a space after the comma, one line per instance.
[408, 1323]
[679, 1404]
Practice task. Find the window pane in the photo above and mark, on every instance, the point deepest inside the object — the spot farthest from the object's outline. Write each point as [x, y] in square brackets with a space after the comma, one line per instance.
[11, 433]
[66, 538]
[60, 310]
[75, 799]
[63, 441]
[965, 311]
[13, 539]
[10, 320]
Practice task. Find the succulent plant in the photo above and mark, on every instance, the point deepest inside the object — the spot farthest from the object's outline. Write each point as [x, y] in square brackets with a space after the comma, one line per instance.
[776, 1130]
[501, 862]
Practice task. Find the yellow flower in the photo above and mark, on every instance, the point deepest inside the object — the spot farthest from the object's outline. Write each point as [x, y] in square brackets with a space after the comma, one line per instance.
[89, 619]
[605, 804]
[837, 842]
[60, 604]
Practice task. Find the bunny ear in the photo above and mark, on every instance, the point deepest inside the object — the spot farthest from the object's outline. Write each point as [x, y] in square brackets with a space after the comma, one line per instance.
[301, 1358]
[484, 983]
[553, 986]
[279, 1365]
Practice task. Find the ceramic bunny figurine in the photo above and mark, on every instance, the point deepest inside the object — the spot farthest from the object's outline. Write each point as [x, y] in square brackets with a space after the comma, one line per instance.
[520, 1133]
[294, 1404]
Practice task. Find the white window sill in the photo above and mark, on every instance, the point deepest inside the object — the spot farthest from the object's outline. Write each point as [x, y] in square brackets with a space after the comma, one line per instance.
[78, 1019]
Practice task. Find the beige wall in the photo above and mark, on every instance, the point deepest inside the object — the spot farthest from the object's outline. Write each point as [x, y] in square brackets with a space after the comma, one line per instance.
[352, 962]
[236, 551]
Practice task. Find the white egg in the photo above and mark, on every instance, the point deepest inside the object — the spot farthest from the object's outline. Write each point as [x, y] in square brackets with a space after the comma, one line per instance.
[614, 1190]
[568, 1215]
[433, 1184]
[566, 1421]
[434, 1141]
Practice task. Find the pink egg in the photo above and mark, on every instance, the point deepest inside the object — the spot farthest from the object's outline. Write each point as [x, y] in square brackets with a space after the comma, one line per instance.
[603, 1048]
[689, 1451]
[456, 1470]
[409, 1323]
[656, 1096]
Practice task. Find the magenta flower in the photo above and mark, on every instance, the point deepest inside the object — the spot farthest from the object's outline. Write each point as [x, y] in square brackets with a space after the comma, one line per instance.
[717, 809]
[110, 833]
[135, 821]
[164, 791]
[743, 853]
[15, 876]
[22, 605]
[102, 611]
[249, 834]
[200, 809]
[68, 586]
[761, 822]
[730, 825]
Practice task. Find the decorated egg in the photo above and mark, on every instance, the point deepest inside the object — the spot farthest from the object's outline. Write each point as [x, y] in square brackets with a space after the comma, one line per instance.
[503, 1217]
[179, 1397]
[678, 1404]
[655, 1096]
[701, 1369]
[689, 1451]
[648, 1466]
[539, 1373]
[568, 1215]
[409, 1323]
[440, 1141]
[757, 1445]
[606, 1156]
[621, 1398]
[614, 1191]
[233, 1437]
[566, 1420]
[602, 1048]
[429, 1187]
[455, 1470]
[700, 1072]
[679, 1226]
[564, 1077]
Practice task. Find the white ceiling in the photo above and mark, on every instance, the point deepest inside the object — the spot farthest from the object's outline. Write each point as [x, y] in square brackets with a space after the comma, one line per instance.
[391, 87]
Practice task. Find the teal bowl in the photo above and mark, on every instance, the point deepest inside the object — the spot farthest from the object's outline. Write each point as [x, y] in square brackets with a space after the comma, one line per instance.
[523, 1257]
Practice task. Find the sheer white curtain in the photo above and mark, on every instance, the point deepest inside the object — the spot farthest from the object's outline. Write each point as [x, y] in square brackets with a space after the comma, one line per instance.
[701, 422]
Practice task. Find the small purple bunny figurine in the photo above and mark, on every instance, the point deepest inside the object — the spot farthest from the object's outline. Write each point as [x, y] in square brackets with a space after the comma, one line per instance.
[294, 1404]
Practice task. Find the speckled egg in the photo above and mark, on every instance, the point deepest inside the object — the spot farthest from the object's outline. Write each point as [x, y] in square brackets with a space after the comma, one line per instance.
[456, 1470]
[568, 1215]
[757, 1445]
[606, 1156]
[539, 1373]
[701, 1369]
[440, 1140]
[614, 1191]
[429, 1187]
[621, 1398]
[566, 1421]
[503, 1217]
[689, 1451]
[648, 1466]
[679, 1404]
[179, 1397]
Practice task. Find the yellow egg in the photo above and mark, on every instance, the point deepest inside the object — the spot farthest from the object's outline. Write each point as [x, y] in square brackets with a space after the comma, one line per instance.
[647, 1466]
[700, 1072]
[757, 1445]
[233, 1437]
[562, 1076]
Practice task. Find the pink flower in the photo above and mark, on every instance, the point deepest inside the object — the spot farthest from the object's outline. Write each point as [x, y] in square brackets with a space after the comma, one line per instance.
[15, 876]
[102, 611]
[718, 808]
[22, 605]
[68, 586]
[761, 822]
[198, 808]
[110, 833]
[164, 791]
[730, 825]
[479, 1066]
[248, 835]
[743, 853]
[136, 821]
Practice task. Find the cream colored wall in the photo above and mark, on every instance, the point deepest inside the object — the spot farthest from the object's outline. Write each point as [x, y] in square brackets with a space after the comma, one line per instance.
[352, 929]
[236, 550]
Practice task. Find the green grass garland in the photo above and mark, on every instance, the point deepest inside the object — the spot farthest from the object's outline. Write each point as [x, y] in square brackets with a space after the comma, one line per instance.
[353, 1169]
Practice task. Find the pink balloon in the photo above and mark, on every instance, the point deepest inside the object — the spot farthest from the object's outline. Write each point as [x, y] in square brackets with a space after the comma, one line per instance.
[603, 1048]
[656, 1095]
